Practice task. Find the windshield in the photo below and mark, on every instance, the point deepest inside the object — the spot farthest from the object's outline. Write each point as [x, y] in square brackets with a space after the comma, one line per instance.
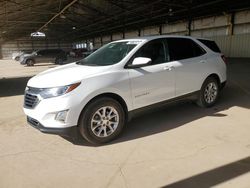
[110, 54]
[34, 52]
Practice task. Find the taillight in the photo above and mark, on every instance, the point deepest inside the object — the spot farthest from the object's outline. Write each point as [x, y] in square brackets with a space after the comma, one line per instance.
[224, 59]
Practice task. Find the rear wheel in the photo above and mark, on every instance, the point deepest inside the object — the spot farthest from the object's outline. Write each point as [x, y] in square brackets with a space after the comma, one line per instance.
[102, 120]
[30, 62]
[59, 61]
[209, 93]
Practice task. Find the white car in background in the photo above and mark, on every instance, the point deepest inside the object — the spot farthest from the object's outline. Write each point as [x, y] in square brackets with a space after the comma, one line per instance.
[97, 95]
[17, 55]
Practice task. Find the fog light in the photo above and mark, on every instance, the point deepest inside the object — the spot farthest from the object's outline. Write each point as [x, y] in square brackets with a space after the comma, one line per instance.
[61, 116]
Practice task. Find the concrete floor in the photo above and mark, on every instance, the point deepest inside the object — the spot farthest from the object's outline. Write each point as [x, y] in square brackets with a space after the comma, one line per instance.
[13, 69]
[179, 146]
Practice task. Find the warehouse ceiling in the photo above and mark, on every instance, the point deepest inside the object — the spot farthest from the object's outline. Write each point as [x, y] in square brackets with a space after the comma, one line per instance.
[81, 19]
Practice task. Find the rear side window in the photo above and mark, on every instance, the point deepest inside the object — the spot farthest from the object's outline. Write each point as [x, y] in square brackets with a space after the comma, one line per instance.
[53, 52]
[41, 52]
[58, 51]
[211, 45]
[183, 48]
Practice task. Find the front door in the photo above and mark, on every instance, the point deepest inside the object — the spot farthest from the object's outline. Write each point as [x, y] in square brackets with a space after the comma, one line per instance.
[155, 82]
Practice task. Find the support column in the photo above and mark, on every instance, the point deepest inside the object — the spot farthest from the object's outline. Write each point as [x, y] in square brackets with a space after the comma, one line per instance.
[189, 19]
[101, 41]
[123, 34]
[160, 30]
[231, 24]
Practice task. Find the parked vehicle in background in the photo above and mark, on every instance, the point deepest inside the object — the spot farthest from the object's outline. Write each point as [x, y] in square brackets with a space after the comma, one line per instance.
[17, 55]
[86, 54]
[98, 94]
[57, 56]
[77, 53]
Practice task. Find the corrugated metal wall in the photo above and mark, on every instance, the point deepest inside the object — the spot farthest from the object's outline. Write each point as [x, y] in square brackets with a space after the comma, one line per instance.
[232, 38]
[131, 34]
[235, 45]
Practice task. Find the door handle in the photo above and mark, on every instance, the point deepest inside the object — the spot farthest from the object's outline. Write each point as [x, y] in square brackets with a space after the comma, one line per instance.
[169, 68]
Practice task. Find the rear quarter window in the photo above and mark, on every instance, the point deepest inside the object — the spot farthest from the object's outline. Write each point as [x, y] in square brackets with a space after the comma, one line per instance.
[211, 45]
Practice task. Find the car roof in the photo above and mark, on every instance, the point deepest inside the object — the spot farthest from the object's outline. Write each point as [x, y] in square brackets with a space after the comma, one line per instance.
[200, 38]
[148, 38]
[50, 50]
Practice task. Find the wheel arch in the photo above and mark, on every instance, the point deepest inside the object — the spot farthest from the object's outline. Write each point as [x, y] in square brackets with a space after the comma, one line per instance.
[32, 59]
[216, 76]
[114, 96]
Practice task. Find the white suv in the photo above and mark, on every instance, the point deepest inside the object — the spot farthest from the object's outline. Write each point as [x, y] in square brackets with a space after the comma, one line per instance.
[97, 95]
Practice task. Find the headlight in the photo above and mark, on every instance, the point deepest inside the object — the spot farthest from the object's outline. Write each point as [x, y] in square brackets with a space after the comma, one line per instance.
[57, 91]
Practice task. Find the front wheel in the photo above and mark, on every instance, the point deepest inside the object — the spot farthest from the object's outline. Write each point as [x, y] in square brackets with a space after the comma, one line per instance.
[209, 93]
[102, 120]
[30, 62]
[59, 61]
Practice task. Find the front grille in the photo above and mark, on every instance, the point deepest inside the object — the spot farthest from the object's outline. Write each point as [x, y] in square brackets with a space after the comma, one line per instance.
[30, 100]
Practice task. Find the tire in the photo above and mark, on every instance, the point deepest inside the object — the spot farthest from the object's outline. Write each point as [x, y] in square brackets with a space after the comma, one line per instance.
[209, 93]
[59, 61]
[17, 58]
[30, 62]
[93, 124]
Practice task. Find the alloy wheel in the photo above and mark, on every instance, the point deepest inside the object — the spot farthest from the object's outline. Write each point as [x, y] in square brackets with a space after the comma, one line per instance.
[105, 121]
[211, 92]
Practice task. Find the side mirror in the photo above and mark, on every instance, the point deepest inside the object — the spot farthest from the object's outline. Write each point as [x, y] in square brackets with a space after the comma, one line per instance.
[140, 62]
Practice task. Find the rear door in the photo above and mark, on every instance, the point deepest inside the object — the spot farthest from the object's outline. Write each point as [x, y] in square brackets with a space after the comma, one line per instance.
[43, 56]
[53, 54]
[190, 64]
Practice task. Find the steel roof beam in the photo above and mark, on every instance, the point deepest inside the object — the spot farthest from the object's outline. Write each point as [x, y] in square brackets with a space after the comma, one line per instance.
[58, 14]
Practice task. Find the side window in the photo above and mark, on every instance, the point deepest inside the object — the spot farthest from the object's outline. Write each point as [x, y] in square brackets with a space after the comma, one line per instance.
[46, 52]
[56, 52]
[40, 52]
[53, 52]
[155, 50]
[183, 48]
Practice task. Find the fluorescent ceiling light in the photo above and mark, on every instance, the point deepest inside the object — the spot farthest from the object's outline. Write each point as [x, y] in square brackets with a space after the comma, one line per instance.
[37, 34]
[62, 16]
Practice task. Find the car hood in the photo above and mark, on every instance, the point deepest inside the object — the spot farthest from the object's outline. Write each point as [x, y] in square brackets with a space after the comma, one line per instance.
[15, 54]
[64, 75]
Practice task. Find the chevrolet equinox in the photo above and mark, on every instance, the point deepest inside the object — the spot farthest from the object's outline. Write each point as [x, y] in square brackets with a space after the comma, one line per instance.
[97, 95]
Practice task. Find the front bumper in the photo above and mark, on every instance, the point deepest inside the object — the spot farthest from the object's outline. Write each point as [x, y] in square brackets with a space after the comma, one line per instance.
[68, 131]
[46, 110]
[223, 84]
